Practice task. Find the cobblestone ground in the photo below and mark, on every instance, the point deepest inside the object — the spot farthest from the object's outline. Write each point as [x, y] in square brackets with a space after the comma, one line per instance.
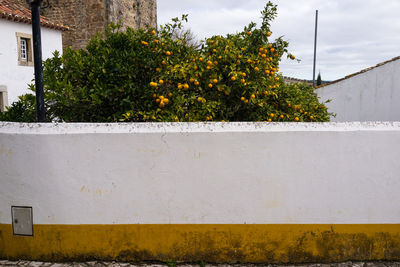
[116, 264]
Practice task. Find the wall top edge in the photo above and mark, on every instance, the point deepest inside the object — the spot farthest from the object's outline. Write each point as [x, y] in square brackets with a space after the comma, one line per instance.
[193, 127]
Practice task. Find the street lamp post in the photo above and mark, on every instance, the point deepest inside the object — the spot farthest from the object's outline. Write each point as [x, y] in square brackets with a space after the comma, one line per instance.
[37, 56]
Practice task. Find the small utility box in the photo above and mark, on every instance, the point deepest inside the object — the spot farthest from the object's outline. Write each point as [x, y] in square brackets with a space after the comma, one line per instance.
[22, 220]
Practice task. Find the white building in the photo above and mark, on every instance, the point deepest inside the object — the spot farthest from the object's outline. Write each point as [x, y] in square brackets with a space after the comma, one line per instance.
[16, 49]
[372, 94]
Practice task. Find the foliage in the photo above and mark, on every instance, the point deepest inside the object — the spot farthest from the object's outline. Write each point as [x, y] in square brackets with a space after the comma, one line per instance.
[21, 111]
[319, 80]
[141, 75]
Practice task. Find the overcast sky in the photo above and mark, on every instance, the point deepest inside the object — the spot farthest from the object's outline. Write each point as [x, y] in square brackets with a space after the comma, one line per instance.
[352, 34]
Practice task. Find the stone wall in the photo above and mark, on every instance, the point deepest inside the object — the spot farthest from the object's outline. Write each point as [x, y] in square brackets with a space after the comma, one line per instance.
[133, 13]
[88, 17]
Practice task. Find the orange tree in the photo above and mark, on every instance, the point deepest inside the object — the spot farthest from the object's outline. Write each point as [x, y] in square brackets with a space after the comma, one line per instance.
[148, 76]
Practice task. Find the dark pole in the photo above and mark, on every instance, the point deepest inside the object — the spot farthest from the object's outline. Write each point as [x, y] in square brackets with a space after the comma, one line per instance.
[315, 46]
[37, 56]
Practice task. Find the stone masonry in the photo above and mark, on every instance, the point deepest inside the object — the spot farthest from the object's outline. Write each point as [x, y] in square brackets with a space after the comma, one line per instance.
[88, 17]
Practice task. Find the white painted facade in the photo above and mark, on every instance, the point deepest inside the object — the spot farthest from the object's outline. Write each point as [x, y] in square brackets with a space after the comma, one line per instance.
[15, 77]
[201, 173]
[370, 96]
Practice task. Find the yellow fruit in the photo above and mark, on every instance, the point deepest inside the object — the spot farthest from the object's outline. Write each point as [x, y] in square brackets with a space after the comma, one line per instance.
[272, 115]
[243, 74]
[265, 92]
[154, 96]
[296, 119]
[215, 81]
[264, 55]
[242, 98]
[180, 86]
[191, 80]
[144, 43]
[253, 96]
[269, 120]
[210, 85]
[249, 61]
[186, 86]
[248, 33]
[158, 100]
[196, 83]
[166, 101]
[160, 81]
[256, 69]
[163, 62]
[269, 34]
[272, 50]
[267, 72]
[261, 49]
[233, 78]
[168, 53]
[201, 59]
[209, 63]
[246, 101]
[156, 41]
[242, 80]
[214, 50]
[153, 32]
[281, 116]
[208, 67]
[311, 117]
[292, 56]
[161, 104]
[170, 94]
[199, 99]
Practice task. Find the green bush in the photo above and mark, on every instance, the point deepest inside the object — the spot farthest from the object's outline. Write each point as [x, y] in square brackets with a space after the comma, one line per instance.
[141, 75]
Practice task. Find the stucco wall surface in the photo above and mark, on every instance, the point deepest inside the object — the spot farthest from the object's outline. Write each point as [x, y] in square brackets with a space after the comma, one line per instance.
[202, 173]
[16, 77]
[370, 96]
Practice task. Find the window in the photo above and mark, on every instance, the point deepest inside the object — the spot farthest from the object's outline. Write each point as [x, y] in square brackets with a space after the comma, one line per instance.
[24, 49]
[3, 98]
[24, 45]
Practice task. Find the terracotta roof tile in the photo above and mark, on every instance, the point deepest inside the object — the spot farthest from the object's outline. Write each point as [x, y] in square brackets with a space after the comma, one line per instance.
[16, 12]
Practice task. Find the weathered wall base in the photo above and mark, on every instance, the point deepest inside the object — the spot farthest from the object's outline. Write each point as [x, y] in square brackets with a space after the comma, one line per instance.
[256, 243]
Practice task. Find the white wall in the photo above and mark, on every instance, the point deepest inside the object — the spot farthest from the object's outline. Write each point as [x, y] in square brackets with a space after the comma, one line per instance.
[201, 173]
[370, 96]
[16, 77]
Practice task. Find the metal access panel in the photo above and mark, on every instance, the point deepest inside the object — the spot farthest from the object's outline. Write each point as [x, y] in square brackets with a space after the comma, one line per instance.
[22, 220]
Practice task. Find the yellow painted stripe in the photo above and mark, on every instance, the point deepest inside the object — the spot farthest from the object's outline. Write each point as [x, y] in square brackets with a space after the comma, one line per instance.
[256, 243]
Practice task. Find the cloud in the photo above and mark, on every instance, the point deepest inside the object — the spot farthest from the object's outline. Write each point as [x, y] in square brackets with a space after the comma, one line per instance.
[352, 35]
